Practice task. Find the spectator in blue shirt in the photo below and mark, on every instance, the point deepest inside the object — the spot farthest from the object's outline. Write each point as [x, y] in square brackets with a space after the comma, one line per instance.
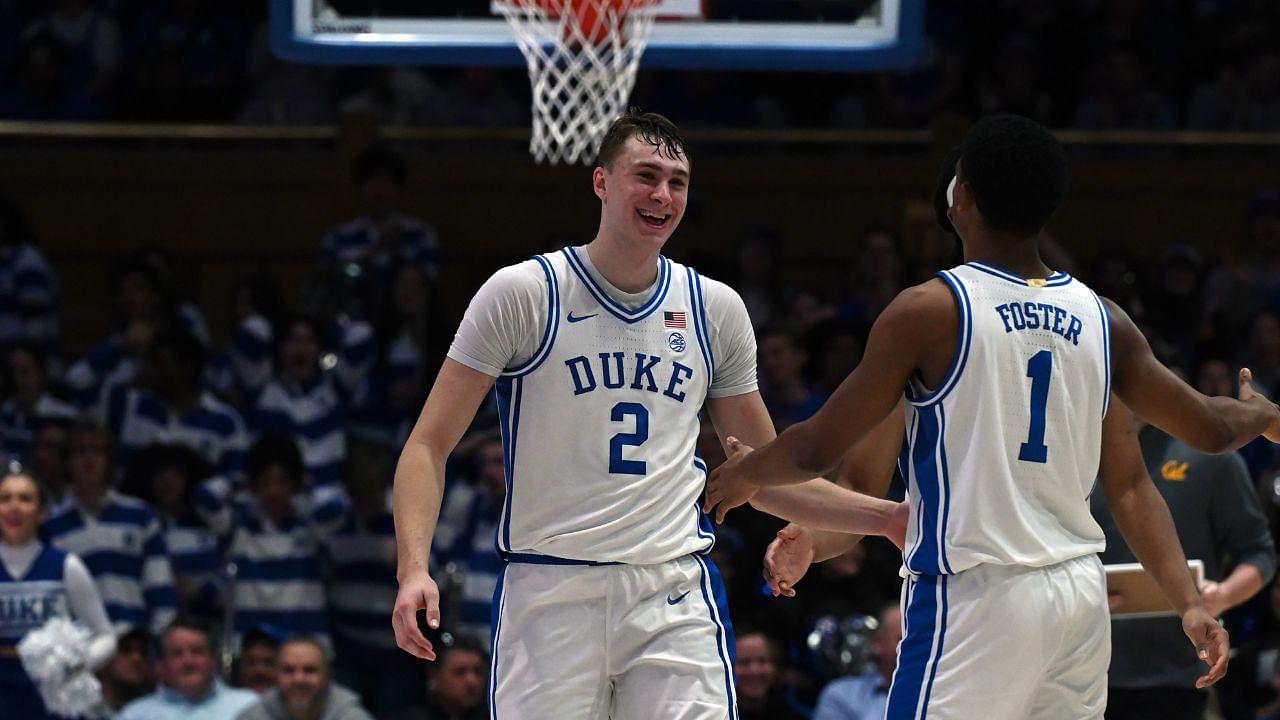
[174, 409]
[30, 404]
[28, 286]
[190, 688]
[305, 402]
[863, 697]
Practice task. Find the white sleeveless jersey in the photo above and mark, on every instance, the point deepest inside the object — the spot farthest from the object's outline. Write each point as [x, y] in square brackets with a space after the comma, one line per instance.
[599, 426]
[1000, 459]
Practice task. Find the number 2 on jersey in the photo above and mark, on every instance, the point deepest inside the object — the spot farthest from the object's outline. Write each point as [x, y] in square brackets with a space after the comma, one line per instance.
[1039, 369]
[617, 465]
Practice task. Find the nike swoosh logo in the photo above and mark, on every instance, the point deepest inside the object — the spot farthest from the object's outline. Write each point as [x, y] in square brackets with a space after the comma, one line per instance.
[678, 600]
[580, 318]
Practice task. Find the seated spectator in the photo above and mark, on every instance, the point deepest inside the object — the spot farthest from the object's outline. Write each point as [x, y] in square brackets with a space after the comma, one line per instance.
[166, 476]
[305, 689]
[760, 697]
[863, 697]
[363, 254]
[30, 404]
[189, 685]
[409, 351]
[782, 384]
[48, 458]
[30, 286]
[174, 408]
[305, 402]
[362, 587]
[118, 537]
[259, 662]
[456, 683]
[90, 44]
[243, 368]
[128, 675]
[273, 536]
[141, 313]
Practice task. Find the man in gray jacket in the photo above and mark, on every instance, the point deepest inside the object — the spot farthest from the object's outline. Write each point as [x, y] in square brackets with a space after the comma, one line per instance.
[305, 689]
[1220, 521]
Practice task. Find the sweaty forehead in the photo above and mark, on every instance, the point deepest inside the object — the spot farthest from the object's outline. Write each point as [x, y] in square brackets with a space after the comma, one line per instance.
[638, 152]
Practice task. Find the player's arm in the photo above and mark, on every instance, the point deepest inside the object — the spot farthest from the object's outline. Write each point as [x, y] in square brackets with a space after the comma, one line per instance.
[742, 420]
[868, 469]
[1144, 520]
[419, 490]
[899, 341]
[1157, 395]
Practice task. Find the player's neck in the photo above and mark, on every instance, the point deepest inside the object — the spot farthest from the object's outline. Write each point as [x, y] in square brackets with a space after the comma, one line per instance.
[1019, 255]
[626, 267]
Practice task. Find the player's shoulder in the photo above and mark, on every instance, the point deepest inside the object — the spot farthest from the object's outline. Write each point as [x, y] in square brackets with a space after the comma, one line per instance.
[525, 277]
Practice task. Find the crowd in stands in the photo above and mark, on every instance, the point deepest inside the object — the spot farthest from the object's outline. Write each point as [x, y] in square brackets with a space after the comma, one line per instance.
[1153, 64]
[236, 495]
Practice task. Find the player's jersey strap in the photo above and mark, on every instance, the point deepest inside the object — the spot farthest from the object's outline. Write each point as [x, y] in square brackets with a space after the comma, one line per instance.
[917, 394]
[553, 322]
[930, 483]
[599, 429]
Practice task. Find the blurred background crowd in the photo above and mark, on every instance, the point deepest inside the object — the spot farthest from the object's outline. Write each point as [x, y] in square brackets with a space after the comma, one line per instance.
[1089, 64]
[240, 477]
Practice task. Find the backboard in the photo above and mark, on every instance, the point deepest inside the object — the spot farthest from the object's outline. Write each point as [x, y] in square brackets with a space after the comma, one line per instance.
[833, 35]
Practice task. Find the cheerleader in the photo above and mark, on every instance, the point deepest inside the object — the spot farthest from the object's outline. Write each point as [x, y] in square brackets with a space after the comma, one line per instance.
[37, 583]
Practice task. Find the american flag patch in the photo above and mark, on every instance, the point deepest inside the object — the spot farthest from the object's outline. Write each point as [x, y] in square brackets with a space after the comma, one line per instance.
[673, 320]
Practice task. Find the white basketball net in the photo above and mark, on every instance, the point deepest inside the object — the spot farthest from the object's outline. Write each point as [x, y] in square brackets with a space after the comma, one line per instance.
[582, 57]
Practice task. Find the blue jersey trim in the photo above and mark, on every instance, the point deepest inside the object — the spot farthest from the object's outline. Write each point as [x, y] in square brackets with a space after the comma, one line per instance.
[615, 308]
[713, 587]
[531, 559]
[946, 488]
[507, 393]
[706, 528]
[1057, 279]
[937, 654]
[495, 621]
[1106, 350]
[704, 342]
[553, 323]
[701, 318]
[927, 558]
[964, 341]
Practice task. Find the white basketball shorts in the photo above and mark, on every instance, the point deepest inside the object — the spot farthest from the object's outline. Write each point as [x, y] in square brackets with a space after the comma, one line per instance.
[627, 642]
[1004, 642]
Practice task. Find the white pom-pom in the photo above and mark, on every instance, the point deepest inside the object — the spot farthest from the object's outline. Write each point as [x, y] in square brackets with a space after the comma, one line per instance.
[55, 657]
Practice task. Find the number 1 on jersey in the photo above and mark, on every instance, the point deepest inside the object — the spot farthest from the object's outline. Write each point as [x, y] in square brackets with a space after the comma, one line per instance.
[617, 465]
[1039, 369]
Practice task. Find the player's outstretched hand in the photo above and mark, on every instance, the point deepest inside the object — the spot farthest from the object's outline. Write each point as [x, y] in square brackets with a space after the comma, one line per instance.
[417, 592]
[1249, 394]
[728, 486]
[1211, 643]
[787, 560]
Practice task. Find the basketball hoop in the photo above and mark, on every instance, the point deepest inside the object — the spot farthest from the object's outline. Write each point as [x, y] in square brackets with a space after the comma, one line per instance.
[582, 57]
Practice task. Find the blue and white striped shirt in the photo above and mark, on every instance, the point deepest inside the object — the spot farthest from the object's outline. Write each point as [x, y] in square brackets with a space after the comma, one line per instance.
[18, 426]
[468, 539]
[124, 549]
[92, 379]
[198, 568]
[350, 242]
[362, 593]
[28, 298]
[278, 572]
[314, 415]
[244, 366]
[211, 428]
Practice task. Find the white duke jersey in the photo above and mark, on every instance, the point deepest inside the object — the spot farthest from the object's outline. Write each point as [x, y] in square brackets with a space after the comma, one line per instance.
[599, 424]
[1001, 457]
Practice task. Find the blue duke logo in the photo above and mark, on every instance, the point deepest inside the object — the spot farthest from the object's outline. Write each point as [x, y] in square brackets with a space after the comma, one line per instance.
[635, 371]
[675, 341]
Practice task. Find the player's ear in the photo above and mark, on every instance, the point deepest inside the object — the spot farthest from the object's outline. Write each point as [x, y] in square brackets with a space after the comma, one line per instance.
[598, 184]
